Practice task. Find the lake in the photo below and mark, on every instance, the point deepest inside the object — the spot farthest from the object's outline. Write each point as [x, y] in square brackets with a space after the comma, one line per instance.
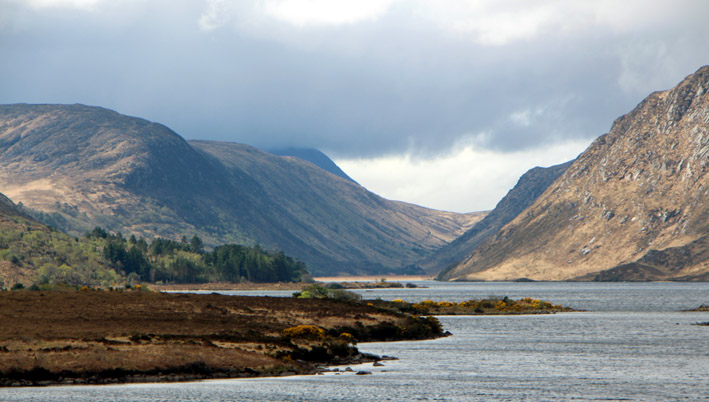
[632, 343]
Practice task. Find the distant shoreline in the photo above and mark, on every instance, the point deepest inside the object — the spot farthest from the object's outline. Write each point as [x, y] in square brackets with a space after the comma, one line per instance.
[347, 282]
[375, 278]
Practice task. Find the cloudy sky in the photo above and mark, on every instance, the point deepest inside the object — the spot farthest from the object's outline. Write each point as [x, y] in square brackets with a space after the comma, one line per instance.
[444, 103]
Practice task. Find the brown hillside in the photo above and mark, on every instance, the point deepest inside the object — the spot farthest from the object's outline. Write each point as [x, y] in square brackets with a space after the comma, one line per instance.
[636, 194]
[529, 187]
[86, 166]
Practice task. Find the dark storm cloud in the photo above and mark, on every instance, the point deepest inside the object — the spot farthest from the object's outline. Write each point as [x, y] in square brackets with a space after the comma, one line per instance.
[396, 82]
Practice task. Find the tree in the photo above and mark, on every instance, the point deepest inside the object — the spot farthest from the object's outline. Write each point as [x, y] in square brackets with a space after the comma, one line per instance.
[196, 245]
[97, 233]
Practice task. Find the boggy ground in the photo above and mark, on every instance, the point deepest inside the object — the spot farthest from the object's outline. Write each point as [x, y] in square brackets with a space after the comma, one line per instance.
[80, 337]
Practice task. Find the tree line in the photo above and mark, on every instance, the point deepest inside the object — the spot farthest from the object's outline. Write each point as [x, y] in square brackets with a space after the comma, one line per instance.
[187, 261]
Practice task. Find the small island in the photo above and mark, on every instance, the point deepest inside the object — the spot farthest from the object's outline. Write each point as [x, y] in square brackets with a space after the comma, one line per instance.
[703, 307]
[487, 306]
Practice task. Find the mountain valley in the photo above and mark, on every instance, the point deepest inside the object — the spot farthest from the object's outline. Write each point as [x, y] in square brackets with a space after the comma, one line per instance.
[76, 167]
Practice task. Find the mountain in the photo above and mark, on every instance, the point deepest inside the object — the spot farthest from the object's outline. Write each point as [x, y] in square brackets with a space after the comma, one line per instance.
[633, 206]
[315, 157]
[530, 186]
[348, 217]
[76, 167]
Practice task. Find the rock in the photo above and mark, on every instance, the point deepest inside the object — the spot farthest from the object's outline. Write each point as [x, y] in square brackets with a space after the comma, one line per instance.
[364, 373]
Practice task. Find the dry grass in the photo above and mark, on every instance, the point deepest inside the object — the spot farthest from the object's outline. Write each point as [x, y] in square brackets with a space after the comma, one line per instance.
[102, 336]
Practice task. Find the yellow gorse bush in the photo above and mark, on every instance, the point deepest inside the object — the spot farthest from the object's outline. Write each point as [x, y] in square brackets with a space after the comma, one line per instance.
[304, 331]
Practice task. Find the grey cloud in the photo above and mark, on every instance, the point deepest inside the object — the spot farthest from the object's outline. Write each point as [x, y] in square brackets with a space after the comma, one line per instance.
[391, 85]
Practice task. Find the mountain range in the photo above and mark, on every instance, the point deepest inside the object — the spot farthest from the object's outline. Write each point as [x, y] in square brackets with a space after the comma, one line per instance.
[633, 206]
[76, 167]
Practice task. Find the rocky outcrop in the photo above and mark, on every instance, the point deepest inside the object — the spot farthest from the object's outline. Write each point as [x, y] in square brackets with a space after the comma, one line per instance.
[635, 198]
[661, 265]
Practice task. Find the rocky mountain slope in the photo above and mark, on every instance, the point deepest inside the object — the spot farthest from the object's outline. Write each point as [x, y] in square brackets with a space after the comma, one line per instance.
[633, 206]
[529, 187]
[82, 166]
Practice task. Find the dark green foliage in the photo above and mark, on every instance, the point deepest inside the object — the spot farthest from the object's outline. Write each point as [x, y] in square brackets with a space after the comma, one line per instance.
[97, 233]
[186, 262]
[161, 246]
[236, 263]
[327, 292]
[196, 245]
[102, 258]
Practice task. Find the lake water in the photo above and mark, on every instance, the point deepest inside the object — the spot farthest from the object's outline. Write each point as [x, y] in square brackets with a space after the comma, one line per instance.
[633, 343]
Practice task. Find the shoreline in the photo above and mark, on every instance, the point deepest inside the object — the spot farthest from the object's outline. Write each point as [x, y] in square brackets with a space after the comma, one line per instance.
[104, 337]
[375, 278]
[90, 337]
[184, 375]
[344, 283]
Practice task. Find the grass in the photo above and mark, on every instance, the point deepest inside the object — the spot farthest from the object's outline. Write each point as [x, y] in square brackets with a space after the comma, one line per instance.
[488, 306]
[79, 337]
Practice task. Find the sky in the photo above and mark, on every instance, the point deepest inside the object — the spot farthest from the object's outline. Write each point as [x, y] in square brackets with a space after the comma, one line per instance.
[442, 103]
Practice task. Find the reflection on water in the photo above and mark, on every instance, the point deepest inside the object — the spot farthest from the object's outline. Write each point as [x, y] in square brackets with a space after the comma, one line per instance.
[633, 345]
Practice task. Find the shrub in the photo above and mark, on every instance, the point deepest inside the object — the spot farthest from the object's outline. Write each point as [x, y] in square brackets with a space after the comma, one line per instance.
[346, 337]
[322, 292]
[304, 331]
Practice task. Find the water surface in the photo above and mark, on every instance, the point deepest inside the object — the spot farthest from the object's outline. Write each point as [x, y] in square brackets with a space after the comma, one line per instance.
[632, 344]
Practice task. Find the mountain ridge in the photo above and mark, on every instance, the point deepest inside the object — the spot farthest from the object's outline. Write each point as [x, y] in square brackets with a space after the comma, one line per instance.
[639, 190]
[527, 189]
[80, 166]
[314, 156]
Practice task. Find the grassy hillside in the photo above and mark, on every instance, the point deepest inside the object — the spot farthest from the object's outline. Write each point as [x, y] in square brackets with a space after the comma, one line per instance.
[34, 254]
[76, 167]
